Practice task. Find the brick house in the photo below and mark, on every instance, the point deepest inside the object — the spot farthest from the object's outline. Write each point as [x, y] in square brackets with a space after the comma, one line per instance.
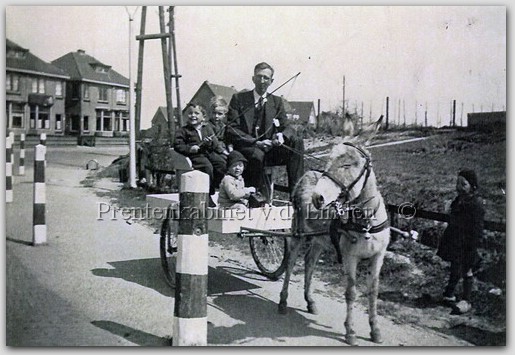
[35, 93]
[97, 97]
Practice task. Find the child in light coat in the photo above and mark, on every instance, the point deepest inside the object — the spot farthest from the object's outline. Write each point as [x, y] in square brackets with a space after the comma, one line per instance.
[233, 193]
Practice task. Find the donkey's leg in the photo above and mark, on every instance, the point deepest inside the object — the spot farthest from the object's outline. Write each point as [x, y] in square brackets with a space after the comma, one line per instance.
[310, 261]
[293, 243]
[350, 266]
[376, 263]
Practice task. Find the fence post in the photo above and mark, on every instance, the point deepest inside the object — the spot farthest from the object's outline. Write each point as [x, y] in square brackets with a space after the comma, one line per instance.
[190, 312]
[38, 217]
[21, 167]
[8, 171]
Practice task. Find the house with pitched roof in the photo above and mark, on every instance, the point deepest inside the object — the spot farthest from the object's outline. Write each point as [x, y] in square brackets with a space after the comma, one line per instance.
[209, 90]
[302, 112]
[97, 97]
[35, 93]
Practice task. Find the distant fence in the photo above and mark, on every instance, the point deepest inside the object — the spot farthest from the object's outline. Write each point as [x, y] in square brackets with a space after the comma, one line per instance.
[435, 216]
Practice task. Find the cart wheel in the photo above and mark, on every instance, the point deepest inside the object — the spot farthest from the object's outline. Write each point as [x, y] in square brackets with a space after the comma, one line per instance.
[168, 248]
[270, 254]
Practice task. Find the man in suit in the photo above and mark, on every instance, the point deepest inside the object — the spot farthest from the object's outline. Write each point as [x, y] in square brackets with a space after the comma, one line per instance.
[258, 128]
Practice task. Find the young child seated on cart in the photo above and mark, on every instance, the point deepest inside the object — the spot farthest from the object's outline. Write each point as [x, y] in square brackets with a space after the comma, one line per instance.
[233, 193]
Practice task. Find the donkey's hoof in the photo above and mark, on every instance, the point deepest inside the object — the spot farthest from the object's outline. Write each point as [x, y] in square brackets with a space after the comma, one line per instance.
[312, 308]
[376, 337]
[351, 339]
[283, 308]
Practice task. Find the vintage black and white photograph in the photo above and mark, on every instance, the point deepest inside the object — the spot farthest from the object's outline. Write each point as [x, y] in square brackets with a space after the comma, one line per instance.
[257, 175]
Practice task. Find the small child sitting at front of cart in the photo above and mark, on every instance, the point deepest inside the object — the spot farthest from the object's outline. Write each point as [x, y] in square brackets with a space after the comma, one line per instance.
[233, 193]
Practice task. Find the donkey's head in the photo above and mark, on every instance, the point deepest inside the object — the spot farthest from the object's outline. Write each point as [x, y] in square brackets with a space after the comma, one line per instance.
[347, 170]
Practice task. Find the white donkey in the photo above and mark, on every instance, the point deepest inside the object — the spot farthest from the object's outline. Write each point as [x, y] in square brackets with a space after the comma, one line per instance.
[341, 205]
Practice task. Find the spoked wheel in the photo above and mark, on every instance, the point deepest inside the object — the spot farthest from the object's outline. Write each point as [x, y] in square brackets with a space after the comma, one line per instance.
[270, 254]
[168, 246]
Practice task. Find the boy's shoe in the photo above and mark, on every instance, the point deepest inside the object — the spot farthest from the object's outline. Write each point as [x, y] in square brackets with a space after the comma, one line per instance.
[449, 298]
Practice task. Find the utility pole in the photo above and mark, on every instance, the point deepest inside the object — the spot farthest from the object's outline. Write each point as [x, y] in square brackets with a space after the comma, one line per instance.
[173, 50]
[167, 76]
[343, 108]
[387, 113]
[132, 122]
[139, 82]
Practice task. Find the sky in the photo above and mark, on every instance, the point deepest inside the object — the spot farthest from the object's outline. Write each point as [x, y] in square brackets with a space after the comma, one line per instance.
[421, 57]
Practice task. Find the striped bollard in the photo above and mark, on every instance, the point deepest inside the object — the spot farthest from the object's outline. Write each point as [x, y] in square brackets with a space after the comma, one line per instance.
[38, 217]
[42, 141]
[21, 168]
[190, 312]
[8, 171]
[11, 135]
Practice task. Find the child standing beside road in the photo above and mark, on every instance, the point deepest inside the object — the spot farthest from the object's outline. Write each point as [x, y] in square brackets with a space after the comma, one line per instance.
[233, 193]
[461, 238]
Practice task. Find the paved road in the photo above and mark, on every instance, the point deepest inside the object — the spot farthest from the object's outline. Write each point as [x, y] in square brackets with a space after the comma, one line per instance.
[99, 282]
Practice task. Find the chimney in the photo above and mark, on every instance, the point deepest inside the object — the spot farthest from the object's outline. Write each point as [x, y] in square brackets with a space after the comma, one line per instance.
[81, 51]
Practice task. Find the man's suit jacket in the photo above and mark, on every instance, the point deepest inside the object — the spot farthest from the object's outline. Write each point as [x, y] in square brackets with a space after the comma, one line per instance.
[241, 119]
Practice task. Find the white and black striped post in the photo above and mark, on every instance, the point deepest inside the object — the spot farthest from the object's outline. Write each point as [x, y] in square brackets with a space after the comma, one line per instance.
[11, 135]
[38, 217]
[42, 139]
[190, 312]
[8, 171]
[21, 168]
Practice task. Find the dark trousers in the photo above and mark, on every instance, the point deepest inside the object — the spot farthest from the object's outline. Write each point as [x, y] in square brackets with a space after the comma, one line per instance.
[457, 272]
[213, 164]
[254, 174]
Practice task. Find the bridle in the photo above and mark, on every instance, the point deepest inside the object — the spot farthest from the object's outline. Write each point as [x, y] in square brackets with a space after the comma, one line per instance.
[344, 196]
[365, 170]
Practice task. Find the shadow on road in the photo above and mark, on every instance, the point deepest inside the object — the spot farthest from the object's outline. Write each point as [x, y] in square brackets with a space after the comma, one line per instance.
[148, 273]
[133, 335]
[145, 272]
[259, 319]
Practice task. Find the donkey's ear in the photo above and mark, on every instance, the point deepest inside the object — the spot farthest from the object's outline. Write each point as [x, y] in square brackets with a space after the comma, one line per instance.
[369, 132]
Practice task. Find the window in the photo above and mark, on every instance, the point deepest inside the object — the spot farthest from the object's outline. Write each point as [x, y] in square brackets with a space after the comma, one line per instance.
[38, 86]
[125, 122]
[58, 89]
[121, 96]
[102, 93]
[108, 120]
[86, 123]
[85, 92]
[39, 117]
[99, 121]
[12, 83]
[58, 122]
[17, 112]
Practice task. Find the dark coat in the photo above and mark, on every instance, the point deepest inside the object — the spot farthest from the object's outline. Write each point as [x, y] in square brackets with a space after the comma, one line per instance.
[463, 234]
[187, 136]
[241, 119]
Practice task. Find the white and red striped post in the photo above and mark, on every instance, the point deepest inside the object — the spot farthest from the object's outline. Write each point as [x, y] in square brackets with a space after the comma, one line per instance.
[38, 217]
[8, 171]
[21, 168]
[190, 312]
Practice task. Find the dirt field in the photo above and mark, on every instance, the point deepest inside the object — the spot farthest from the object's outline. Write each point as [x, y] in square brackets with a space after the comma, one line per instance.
[413, 277]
